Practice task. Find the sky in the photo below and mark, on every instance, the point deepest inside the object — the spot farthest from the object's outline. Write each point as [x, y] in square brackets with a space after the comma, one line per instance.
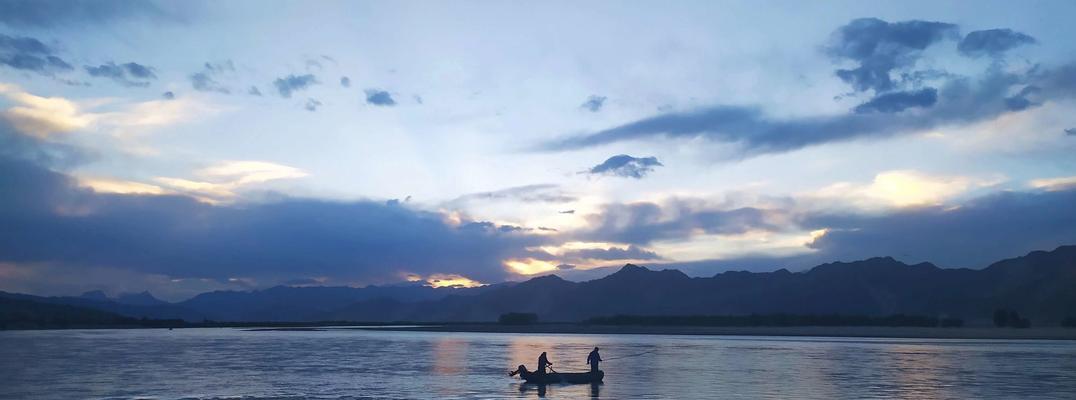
[182, 147]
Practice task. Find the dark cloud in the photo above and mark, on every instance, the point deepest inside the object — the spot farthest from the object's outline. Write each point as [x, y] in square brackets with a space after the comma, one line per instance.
[52, 13]
[972, 234]
[899, 101]
[614, 253]
[978, 232]
[992, 42]
[38, 151]
[962, 100]
[626, 166]
[594, 103]
[563, 267]
[128, 74]
[379, 97]
[1023, 99]
[168, 95]
[1070, 131]
[643, 223]
[203, 82]
[880, 47]
[29, 54]
[538, 193]
[312, 104]
[303, 282]
[52, 220]
[345, 81]
[253, 91]
[566, 212]
[291, 83]
[206, 79]
[225, 66]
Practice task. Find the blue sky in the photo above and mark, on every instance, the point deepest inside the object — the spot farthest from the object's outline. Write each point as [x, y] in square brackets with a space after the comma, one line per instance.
[188, 146]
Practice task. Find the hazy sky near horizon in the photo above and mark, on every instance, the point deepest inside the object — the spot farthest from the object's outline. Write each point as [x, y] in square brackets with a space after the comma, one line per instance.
[189, 146]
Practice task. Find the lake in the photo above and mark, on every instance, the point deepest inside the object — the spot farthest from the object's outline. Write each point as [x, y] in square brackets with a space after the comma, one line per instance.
[348, 363]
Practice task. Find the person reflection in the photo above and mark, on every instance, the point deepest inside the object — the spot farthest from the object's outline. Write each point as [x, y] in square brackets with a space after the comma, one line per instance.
[526, 387]
[595, 390]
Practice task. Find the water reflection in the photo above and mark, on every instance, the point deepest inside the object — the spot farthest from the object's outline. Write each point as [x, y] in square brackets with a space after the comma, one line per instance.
[449, 355]
[224, 363]
[541, 391]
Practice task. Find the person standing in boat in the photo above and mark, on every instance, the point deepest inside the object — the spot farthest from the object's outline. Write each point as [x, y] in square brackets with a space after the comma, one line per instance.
[543, 362]
[593, 359]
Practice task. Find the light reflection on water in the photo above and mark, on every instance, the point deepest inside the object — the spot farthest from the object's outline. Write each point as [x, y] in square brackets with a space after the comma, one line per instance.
[342, 364]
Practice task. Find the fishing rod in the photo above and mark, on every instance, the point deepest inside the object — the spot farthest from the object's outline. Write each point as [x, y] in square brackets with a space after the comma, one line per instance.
[630, 355]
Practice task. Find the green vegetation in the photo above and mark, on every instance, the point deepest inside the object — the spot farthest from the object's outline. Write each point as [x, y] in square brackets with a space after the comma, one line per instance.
[778, 320]
[26, 314]
[1010, 318]
[518, 319]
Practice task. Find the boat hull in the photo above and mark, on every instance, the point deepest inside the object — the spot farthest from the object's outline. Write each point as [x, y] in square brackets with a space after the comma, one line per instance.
[563, 377]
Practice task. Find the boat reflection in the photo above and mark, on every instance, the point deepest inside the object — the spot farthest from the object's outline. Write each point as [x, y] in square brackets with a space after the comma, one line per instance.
[542, 390]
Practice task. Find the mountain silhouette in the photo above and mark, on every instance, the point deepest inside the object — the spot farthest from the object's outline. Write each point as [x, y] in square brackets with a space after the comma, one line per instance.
[1040, 285]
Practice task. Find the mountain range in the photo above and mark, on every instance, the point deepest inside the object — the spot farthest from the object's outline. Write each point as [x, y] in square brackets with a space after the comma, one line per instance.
[1040, 285]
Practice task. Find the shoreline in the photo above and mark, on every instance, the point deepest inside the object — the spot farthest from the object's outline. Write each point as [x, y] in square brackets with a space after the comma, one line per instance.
[879, 332]
[1043, 333]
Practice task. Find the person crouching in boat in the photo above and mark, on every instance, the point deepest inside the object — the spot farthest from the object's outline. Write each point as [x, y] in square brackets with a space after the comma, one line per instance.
[543, 362]
[593, 359]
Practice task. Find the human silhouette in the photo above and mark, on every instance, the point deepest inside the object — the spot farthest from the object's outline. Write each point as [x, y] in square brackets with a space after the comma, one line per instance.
[593, 359]
[543, 362]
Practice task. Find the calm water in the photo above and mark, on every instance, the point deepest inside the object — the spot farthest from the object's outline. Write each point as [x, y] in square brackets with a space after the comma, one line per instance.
[343, 364]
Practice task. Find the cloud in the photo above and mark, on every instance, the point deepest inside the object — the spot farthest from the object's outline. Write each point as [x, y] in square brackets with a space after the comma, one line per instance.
[1070, 131]
[594, 103]
[960, 100]
[538, 193]
[202, 82]
[899, 188]
[312, 104]
[292, 83]
[345, 81]
[129, 74]
[222, 181]
[646, 222]
[1023, 99]
[29, 54]
[1054, 184]
[168, 95]
[379, 97]
[106, 185]
[992, 42]
[613, 253]
[973, 234]
[43, 116]
[899, 101]
[564, 267]
[253, 91]
[879, 47]
[54, 221]
[205, 80]
[626, 166]
[52, 13]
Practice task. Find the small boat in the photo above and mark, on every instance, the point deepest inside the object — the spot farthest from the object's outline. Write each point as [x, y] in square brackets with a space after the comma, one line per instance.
[558, 377]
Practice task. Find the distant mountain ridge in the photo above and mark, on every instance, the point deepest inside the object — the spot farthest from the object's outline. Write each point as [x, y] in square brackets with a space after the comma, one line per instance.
[1040, 285]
